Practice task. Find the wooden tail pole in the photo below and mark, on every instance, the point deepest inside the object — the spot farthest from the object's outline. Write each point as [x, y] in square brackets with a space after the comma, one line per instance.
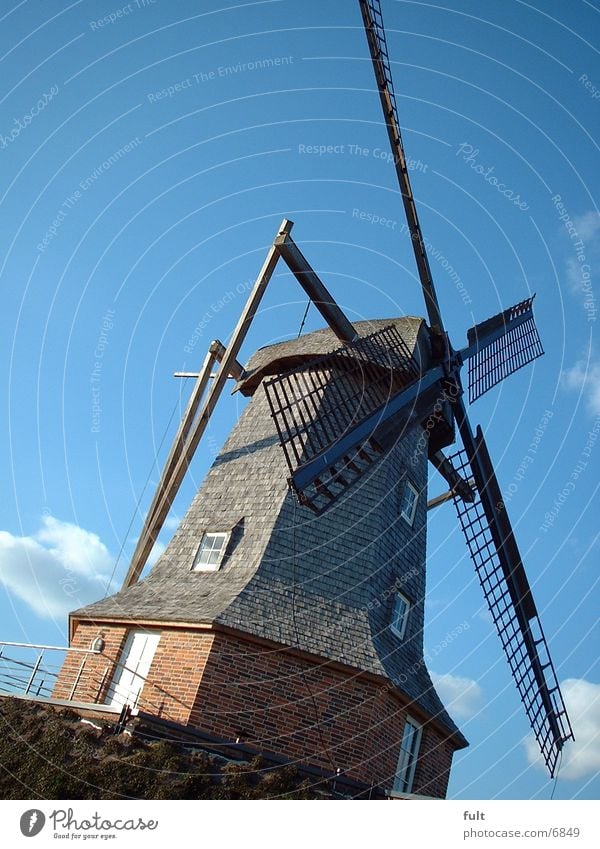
[184, 446]
[215, 352]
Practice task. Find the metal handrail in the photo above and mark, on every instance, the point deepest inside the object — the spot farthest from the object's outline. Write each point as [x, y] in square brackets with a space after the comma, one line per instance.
[50, 648]
[10, 683]
[27, 683]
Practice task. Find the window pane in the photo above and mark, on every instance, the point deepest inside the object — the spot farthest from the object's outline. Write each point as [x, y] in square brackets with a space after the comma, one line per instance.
[203, 555]
[210, 550]
[408, 741]
[400, 782]
[409, 502]
[401, 606]
[407, 758]
[400, 614]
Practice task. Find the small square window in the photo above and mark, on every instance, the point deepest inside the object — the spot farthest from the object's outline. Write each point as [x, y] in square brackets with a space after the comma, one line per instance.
[210, 552]
[400, 615]
[408, 508]
[407, 761]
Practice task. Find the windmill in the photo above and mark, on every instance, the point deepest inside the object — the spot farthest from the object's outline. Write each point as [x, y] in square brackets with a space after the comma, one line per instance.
[496, 349]
[334, 420]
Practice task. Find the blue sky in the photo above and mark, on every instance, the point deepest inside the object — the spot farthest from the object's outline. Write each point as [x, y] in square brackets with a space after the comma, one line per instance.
[149, 153]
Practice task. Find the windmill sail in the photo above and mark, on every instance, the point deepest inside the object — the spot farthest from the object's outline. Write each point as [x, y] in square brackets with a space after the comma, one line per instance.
[326, 411]
[375, 31]
[497, 348]
[501, 346]
[494, 551]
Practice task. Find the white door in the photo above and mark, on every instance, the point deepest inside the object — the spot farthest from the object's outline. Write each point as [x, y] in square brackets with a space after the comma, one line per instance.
[134, 665]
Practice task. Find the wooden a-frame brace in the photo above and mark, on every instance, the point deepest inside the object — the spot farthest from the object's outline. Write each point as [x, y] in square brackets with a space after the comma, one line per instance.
[194, 423]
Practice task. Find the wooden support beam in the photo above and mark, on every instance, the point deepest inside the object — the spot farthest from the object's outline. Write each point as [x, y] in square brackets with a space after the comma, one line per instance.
[315, 288]
[446, 496]
[237, 370]
[215, 352]
[453, 479]
[167, 489]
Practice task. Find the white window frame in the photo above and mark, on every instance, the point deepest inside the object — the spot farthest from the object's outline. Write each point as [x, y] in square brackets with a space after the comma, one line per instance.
[408, 756]
[401, 630]
[410, 517]
[211, 567]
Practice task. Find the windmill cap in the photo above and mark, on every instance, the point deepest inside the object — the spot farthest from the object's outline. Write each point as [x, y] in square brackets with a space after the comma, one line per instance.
[278, 358]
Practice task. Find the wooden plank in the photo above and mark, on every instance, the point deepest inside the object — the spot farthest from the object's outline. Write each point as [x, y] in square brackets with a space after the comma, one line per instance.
[215, 351]
[165, 495]
[315, 289]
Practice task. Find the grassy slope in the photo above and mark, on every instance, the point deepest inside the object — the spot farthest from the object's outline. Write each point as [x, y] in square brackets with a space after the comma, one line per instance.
[51, 754]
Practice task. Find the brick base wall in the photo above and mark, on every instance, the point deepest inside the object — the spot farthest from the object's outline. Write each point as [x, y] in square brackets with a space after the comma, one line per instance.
[172, 682]
[97, 672]
[272, 700]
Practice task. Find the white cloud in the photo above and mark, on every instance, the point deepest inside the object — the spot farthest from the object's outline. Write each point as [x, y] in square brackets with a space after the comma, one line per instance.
[484, 615]
[584, 377]
[573, 270]
[461, 696]
[582, 757]
[57, 569]
[157, 550]
[586, 229]
[172, 522]
[436, 603]
[588, 226]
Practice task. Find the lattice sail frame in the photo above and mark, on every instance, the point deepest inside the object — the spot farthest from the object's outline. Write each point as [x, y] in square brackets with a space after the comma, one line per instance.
[497, 348]
[517, 623]
[507, 352]
[316, 404]
[374, 7]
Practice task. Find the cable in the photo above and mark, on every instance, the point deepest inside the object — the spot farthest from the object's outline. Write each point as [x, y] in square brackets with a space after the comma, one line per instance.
[302, 323]
[297, 636]
[294, 621]
[136, 509]
[556, 776]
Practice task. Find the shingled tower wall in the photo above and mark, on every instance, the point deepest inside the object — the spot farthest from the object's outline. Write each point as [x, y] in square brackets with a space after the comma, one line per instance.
[288, 646]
